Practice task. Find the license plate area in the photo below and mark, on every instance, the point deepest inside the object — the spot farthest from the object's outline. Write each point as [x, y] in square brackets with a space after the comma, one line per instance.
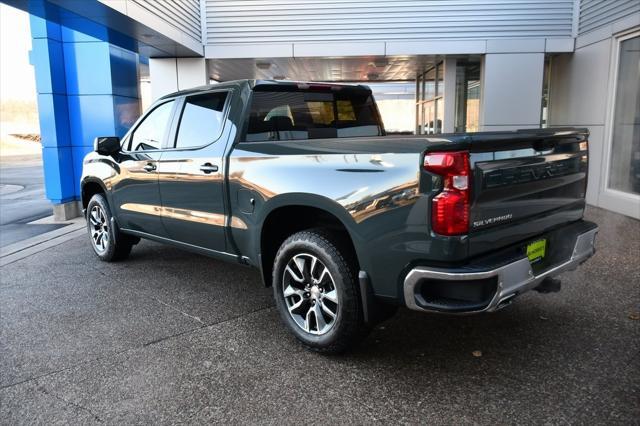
[536, 250]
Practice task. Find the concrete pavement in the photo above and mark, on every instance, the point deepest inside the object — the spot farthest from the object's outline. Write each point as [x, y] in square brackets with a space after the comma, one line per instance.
[22, 199]
[172, 337]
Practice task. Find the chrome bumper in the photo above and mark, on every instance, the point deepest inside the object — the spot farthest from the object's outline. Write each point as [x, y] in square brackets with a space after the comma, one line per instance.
[513, 279]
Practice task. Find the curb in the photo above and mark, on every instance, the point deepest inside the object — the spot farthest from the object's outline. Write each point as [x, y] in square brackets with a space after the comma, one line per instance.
[33, 245]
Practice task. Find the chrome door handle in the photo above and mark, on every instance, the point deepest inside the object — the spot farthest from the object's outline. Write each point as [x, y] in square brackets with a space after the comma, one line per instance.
[208, 168]
[149, 167]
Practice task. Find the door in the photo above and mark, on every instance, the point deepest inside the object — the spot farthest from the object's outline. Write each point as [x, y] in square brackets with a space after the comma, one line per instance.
[191, 173]
[622, 182]
[135, 193]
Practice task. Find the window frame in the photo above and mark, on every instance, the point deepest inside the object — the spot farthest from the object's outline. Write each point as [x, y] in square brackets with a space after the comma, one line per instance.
[422, 101]
[179, 111]
[128, 138]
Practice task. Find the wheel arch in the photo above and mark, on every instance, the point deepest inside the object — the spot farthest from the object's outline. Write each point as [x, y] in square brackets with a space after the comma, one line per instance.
[90, 187]
[285, 215]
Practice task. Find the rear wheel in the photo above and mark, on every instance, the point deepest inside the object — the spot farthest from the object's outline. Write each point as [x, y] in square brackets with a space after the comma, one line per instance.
[108, 243]
[316, 291]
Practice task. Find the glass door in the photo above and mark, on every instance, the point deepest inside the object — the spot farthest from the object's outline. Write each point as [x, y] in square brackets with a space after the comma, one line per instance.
[429, 100]
[623, 177]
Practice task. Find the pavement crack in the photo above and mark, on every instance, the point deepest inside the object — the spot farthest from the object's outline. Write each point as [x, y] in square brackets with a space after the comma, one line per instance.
[213, 324]
[178, 310]
[62, 370]
[69, 403]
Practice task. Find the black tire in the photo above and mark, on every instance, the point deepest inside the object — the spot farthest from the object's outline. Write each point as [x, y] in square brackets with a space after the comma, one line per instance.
[348, 326]
[114, 245]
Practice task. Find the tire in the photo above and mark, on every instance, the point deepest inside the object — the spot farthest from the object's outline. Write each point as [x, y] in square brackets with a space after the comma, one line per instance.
[108, 243]
[323, 311]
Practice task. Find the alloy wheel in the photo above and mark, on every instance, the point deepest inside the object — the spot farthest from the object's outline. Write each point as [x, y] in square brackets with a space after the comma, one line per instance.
[99, 229]
[310, 294]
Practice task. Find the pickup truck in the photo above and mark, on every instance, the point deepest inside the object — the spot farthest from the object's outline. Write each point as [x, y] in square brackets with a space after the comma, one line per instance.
[346, 224]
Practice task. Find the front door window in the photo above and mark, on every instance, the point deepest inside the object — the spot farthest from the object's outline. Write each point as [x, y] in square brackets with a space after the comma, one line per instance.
[152, 130]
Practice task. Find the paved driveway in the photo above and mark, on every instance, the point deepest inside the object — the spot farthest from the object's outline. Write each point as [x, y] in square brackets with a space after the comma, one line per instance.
[22, 199]
[170, 337]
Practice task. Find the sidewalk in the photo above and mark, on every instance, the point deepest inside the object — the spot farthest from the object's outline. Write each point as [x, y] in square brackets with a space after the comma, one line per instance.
[24, 208]
[168, 336]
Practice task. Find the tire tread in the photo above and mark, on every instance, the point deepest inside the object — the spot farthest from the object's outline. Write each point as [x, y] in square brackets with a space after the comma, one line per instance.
[354, 329]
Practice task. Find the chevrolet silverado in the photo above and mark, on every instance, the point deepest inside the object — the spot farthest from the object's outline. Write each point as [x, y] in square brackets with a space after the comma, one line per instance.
[345, 223]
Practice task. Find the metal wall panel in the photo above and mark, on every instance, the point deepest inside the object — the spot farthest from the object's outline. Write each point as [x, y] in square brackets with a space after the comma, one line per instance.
[273, 21]
[597, 13]
[183, 14]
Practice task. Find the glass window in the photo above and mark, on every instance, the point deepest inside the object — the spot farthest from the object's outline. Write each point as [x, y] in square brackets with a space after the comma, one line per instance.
[396, 102]
[546, 78]
[467, 116]
[299, 114]
[201, 120]
[153, 128]
[430, 101]
[624, 167]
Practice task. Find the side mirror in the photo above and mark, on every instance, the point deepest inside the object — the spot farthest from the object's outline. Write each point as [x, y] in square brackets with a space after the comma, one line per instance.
[108, 145]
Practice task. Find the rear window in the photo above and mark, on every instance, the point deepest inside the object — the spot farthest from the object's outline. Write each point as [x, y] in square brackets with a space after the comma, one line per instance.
[296, 115]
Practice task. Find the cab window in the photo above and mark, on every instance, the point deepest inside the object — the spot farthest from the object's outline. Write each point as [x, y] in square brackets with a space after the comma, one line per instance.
[202, 120]
[152, 130]
[290, 114]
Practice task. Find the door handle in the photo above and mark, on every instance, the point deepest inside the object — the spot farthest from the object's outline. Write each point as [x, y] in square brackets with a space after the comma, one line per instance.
[149, 167]
[208, 168]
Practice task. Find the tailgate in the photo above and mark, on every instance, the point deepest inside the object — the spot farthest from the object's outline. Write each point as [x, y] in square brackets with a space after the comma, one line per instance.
[527, 176]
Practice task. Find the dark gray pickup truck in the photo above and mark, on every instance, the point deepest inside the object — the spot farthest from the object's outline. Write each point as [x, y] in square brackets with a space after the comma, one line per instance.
[345, 223]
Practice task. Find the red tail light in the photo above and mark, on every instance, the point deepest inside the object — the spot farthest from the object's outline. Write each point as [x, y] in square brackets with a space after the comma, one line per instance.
[450, 208]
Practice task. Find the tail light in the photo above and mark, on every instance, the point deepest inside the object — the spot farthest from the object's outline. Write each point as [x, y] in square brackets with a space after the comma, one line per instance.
[450, 208]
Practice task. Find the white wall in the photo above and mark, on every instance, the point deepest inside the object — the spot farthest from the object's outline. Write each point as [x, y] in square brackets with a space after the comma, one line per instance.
[581, 94]
[579, 86]
[511, 91]
[449, 95]
[169, 75]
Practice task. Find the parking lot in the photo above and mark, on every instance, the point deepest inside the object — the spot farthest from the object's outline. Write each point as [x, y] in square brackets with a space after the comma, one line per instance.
[172, 337]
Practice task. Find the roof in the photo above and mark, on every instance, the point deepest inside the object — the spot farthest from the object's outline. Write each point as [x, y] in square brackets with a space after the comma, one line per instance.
[256, 83]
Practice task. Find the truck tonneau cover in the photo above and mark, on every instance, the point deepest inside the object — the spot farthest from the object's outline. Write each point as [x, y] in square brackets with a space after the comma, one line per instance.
[480, 142]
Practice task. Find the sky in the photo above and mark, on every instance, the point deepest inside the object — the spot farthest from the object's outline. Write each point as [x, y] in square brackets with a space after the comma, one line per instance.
[17, 80]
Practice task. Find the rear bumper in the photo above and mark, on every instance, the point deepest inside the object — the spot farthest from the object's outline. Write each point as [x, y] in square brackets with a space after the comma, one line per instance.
[491, 289]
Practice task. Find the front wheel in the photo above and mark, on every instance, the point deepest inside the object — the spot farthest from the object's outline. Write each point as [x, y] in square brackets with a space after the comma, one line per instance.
[316, 291]
[107, 241]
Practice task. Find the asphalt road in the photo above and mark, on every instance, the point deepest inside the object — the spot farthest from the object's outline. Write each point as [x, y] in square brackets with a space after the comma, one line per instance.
[172, 337]
[22, 200]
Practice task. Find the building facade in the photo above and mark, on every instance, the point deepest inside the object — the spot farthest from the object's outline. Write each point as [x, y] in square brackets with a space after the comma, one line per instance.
[435, 66]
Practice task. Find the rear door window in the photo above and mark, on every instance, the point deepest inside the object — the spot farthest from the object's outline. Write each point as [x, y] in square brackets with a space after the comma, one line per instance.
[201, 121]
[304, 114]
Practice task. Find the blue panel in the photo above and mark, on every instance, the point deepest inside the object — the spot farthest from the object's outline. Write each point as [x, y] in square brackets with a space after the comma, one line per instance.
[86, 86]
[88, 68]
[76, 29]
[125, 112]
[54, 120]
[90, 116]
[48, 61]
[83, 29]
[58, 174]
[79, 153]
[124, 72]
[41, 28]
